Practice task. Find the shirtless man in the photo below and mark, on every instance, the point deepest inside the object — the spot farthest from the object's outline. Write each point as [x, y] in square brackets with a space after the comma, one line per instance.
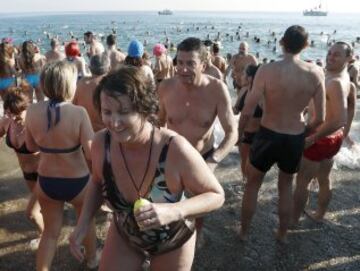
[240, 61]
[54, 53]
[286, 86]
[99, 67]
[96, 47]
[116, 57]
[190, 102]
[323, 144]
[217, 59]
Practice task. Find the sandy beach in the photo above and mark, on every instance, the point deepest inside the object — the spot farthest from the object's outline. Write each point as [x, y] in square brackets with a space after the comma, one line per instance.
[333, 245]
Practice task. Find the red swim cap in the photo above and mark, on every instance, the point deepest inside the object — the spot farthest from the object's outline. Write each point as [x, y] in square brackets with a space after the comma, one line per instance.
[159, 49]
[72, 49]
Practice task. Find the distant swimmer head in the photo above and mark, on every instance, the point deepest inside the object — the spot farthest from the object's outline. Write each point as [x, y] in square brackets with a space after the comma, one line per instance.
[295, 39]
[99, 64]
[159, 49]
[135, 49]
[72, 49]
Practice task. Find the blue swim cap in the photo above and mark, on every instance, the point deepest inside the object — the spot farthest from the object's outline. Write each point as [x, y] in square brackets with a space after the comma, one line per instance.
[136, 49]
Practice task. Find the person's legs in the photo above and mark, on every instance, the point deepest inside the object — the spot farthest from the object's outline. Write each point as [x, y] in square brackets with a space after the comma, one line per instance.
[180, 259]
[90, 238]
[285, 203]
[33, 211]
[249, 202]
[52, 211]
[118, 255]
[307, 172]
[325, 193]
[244, 150]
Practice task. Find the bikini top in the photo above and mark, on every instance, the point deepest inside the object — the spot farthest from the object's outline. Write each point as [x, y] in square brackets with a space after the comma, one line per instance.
[258, 111]
[22, 150]
[55, 105]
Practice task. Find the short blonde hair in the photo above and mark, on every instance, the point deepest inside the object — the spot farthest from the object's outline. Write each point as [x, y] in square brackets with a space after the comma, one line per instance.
[57, 80]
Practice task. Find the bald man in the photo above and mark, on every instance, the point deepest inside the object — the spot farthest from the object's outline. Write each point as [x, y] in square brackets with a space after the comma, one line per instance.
[239, 62]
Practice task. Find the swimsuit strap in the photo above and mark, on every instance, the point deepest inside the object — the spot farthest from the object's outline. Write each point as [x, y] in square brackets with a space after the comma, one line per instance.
[52, 150]
[110, 190]
[164, 151]
[242, 101]
[53, 104]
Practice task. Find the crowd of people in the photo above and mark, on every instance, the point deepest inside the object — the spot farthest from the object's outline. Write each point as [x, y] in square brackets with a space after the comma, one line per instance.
[122, 129]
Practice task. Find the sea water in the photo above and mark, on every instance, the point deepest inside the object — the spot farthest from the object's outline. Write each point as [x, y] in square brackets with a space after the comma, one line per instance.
[228, 27]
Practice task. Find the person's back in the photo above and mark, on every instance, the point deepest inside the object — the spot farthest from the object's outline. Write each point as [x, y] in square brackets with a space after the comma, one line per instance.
[213, 71]
[285, 98]
[65, 135]
[116, 57]
[59, 128]
[62, 133]
[54, 54]
[163, 67]
[99, 66]
[286, 87]
[220, 63]
[217, 59]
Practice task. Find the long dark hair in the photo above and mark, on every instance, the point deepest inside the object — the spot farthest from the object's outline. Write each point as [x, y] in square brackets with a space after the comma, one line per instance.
[251, 72]
[28, 51]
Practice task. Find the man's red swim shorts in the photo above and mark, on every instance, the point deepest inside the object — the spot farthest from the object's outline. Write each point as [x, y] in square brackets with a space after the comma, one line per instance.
[325, 148]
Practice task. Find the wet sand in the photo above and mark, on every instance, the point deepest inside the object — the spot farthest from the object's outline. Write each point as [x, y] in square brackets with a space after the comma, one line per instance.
[333, 245]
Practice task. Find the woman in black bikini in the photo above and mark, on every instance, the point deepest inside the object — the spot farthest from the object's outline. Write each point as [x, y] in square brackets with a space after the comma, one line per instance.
[134, 159]
[12, 125]
[254, 124]
[63, 134]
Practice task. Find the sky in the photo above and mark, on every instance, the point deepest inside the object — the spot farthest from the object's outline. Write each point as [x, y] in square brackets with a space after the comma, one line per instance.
[11, 6]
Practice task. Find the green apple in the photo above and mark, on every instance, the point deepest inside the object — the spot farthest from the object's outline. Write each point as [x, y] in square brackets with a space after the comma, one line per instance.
[140, 203]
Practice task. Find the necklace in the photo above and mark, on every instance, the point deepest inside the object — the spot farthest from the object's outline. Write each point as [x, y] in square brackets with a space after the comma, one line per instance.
[138, 189]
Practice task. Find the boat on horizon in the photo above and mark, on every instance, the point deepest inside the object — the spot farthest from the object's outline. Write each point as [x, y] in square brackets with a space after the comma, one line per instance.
[316, 11]
[165, 12]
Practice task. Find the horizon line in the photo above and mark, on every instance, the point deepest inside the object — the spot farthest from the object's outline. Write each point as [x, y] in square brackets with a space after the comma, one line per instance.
[174, 10]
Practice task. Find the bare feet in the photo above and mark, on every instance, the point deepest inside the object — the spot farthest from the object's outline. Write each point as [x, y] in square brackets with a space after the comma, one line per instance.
[314, 216]
[243, 235]
[281, 237]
